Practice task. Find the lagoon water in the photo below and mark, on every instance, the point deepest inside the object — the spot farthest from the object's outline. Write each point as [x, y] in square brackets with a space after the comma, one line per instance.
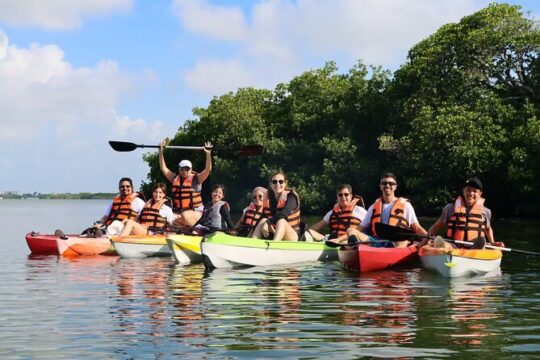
[106, 307]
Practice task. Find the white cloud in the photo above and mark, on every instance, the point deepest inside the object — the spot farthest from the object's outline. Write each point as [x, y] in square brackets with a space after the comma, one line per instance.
[287, 37]
[57, 14]
[219, 22]
[57, 119]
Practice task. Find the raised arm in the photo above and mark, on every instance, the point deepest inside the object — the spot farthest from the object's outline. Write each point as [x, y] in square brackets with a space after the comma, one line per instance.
[164, 169]
[203, 175]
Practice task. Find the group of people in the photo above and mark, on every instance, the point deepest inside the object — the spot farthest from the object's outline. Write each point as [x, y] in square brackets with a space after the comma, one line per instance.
[274, 212]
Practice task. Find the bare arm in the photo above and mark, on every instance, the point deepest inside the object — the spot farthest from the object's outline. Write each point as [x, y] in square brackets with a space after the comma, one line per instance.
[490, 236]
[318, 226]
[203, 175]
[419, 229]
[434, 229]
[164, 169]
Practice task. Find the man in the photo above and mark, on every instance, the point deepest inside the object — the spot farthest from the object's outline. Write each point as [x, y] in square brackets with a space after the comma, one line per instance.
[127, 205]
[467, 218]
[388, 209]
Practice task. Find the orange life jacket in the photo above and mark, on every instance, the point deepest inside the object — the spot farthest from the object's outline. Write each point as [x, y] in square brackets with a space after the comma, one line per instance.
[121, 209]
[467, 225]
[151, 218]
[341, 219]
[184, 196]
[251, 216]
[397, 214]
[293, 218]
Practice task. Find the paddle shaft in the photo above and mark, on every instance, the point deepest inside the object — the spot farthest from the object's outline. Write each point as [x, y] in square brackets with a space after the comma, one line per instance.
[408, 235]
[123, 146]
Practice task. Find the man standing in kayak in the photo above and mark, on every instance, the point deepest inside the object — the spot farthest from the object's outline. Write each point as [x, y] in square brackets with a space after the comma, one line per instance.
[388, 209]
[467, 218]
[186, 188]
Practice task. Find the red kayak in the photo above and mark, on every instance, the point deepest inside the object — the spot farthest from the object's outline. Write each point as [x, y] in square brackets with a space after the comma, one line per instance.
[364, 258]
[42, 243]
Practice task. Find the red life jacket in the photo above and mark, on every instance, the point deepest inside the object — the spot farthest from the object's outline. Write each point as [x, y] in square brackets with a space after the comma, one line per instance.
[341, 219]
[151, 218]
[121, 209]
[293, 218]
[397, 214]
[184, 196]
[467, 225]
[252, 216]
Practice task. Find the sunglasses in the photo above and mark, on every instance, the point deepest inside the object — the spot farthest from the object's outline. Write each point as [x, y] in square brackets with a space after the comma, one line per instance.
[125, 186]
[185, 168]
[390, 183]
[278, 181]
[257, 197]
[343, 194]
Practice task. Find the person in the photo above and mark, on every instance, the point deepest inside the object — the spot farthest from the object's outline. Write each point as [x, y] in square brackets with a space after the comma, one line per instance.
[216, 213]
[282, 211]
[155, 217]
[467, 219]
[186, 188]
[127, 205]
[344, 216]
[252, 214]
[388, 209]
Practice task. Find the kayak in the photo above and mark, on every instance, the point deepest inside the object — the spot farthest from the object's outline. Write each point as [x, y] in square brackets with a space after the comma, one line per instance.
[365, 258]
[141, 245]
[76, 245]
[224, 251]
[186, 249]
[42, 243]
[460, 262]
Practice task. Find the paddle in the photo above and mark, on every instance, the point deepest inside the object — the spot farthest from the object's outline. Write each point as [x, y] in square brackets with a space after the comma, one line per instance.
[247, 150]
[335, 245]
[395, 233]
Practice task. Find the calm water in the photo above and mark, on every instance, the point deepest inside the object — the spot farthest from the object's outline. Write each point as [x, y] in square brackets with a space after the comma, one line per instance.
[106, 307]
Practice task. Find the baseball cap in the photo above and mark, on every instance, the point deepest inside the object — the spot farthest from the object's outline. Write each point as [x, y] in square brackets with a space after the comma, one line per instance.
[185, 163]
[474, 182]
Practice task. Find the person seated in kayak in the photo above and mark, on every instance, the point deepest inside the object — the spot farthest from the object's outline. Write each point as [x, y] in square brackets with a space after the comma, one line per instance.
[388, 209]
[344, 216]
[252, 214]
[282, 210]
[467, 219]
[127, 205]
[155, 217]
[186, 188]
[217, 213]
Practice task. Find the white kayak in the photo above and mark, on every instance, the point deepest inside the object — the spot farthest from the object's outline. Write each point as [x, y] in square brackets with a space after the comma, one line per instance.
[139, 246]
[460, 262]
[186, 249]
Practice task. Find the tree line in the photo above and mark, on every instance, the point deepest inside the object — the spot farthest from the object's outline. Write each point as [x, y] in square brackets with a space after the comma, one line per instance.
[466, 102]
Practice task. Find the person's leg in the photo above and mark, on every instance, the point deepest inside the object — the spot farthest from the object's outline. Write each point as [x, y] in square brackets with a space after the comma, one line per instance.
[261, 227]
[128, 226]
[317, 236]
[359, 235]
[187, 218]
[284, 231]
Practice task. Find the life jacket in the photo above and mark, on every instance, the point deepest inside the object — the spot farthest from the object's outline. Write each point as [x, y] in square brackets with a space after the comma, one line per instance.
[341, 219]
[293, 218]
[151, 218]
[467, 225]
[397, 214]
[121, 208]
[212, 217]
[184, 196]
[251, 216]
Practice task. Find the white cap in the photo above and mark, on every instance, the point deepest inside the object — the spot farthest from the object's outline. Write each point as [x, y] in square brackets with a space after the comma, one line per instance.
[185, 163]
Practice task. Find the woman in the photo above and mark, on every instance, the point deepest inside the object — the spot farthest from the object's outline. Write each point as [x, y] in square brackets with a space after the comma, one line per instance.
[282, 211]
[154, 218]
[186, 188]
[217, 213]
[344, 216]
[253, 213]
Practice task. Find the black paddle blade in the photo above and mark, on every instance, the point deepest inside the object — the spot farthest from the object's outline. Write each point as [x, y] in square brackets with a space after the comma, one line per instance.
[394, 233]
[251, 150]
[122, 146]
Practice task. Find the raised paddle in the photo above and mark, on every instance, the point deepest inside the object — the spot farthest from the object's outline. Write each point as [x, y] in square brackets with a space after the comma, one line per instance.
[123, 146]
[395, 233]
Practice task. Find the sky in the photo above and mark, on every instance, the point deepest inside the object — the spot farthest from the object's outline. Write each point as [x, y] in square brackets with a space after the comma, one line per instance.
[76, 74]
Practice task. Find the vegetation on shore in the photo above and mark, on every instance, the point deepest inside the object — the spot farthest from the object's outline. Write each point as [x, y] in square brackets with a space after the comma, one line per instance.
[466, 102]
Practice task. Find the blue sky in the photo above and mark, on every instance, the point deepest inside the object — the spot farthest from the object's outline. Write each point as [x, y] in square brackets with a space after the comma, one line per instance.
[75, 74]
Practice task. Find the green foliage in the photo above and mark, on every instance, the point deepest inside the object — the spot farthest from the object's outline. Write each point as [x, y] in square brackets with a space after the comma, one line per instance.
[465, 103]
